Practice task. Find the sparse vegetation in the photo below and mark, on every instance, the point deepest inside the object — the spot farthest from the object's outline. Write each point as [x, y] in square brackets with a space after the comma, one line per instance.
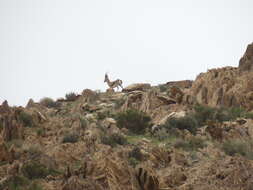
[248, 115]
[193, 143]
[206, 113]
[187, 122]
[163, 87]
[26, 119]
[83, 122]
[35, 170]
[136, 153]
[113, 140]
[133, 120]
[41, 132]
[70, 138]
[17, 183]
[241, 147]
[49, 102]
[33, 150]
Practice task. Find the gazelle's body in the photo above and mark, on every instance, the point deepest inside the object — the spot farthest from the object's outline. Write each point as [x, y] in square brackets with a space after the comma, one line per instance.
[113, 84]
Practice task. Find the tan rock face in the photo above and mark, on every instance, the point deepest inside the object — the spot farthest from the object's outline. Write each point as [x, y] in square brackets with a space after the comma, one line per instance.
[5, 155]
[224, 87]
[11, 129]
[246, 62]
[181, 83]
[4, 108]
[137, 86]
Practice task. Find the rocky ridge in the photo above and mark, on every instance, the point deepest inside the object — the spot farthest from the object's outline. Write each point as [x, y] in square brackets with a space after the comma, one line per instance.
[78, 143]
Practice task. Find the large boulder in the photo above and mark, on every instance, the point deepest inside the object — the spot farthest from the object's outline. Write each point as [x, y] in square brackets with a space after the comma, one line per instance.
[137, 86]
[246, 62]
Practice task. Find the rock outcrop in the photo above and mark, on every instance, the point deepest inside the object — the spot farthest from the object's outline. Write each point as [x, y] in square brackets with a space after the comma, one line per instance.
[246, 62]
[224, 87]
[137, 87]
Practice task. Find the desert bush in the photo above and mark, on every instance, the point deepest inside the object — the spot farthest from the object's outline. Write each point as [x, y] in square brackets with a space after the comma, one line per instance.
[163, 87]
[70, 138]
[133, 120]
[205, 113]
[193, 143]
[49, 102]
[248, 115]
[35, 170]
[26, 119]
[71, 96]
[113, 140]
[241, 147]
[102, 115]
[135, 153]
[33, 150]
[41, 132]
[119, 102]
[133, 162]
[188, 122]
[83, 122]
[35, 186]
[16, 183]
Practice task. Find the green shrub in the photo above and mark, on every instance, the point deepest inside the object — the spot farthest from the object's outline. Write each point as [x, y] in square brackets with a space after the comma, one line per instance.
[35, 186]
[71, 96]
[241, 147]
[248, 115]
[119, 102]
[163, 87]
[33, 150]
[133, 162]
[187, 122]
[49, 102]
[34, 170]
[26, 119]
[41, 132]
[189, 145]
[135, 153]
[70, 138]
[133, 120]
[102, 115]
[113, 140]
[17, 182]
[205, 113]
[83, 122]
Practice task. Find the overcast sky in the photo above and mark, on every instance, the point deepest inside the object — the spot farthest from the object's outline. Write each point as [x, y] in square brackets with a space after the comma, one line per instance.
[51, 47]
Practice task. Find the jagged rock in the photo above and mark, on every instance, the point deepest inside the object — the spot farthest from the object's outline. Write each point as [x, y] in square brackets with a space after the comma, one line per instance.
[89, 95]
[166, 100]
[180, 84]
[30, 103]
[4, 153]
[4, 108]
[246, 62]
[172, 115]
[11, 128]
[176, 93]
[137, 86]
[224, 87]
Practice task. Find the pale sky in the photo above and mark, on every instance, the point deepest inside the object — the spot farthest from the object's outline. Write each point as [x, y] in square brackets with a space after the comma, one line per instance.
[51, 47]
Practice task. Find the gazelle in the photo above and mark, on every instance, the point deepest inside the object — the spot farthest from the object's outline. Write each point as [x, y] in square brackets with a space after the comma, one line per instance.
[113, 84]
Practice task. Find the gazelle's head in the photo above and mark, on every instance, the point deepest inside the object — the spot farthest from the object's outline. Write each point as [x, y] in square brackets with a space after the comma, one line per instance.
[106, 77]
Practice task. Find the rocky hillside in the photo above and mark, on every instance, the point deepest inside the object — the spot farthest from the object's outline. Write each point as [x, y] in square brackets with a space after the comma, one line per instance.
[182, 135]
